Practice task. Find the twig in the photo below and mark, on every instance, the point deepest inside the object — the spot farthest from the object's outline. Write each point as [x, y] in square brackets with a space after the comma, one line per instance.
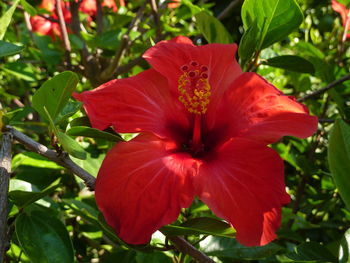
[108, 72]
[99, 17]
[184, 247]
[227, 11]
[91, 67]
[329, 86]
[5, 170]
[124, 45]
[64, 32]
[28, 24]
[129, 65]
[154, 8]
[62, 159]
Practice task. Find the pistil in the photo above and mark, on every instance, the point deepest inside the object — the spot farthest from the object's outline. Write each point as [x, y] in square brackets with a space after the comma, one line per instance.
[196, 145]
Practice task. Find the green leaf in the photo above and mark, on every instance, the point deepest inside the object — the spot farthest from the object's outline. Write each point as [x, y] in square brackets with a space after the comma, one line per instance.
[68, 110]
[339, 158]
[33, 159]
[24, 198]
[154, 257]
[8, 49]
[344, 248]
[71, 146]
[201, 225]
[212, 29]
[292, 63]
[93, 133]
[193, 8]
[276, 19]
[21, 70]
[344, 2]
[248, 43]
[54, 94]
[44, 239]
[68, 143]
[91, 164]
[6, 19]
[231, 249]
[28, 8]
[312, 251]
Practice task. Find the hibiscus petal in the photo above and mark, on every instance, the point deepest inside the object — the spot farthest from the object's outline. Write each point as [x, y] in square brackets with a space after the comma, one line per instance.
[168, 57]
[242, 182]
[139, 103]
[341, 9]
[258, 110]
[142, 185]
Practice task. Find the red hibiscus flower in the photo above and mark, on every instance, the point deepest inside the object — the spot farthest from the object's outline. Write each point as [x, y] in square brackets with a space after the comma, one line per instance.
[89, 6]
[48, 27]
[344, 13]
[204, 129]
[174, 4]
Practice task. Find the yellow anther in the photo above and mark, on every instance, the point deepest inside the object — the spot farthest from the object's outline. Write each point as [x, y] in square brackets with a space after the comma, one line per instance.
[194, 92]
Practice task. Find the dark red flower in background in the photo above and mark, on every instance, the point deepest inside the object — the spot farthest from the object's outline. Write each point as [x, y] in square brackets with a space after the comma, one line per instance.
[51, 28]
[345, 15]
[48, 27]
[204, 129]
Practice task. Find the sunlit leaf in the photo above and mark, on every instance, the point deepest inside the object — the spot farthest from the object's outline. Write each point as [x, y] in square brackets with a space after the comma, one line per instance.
[28, 8]
[24, 198]
[212, 29]
[276, 19]
[344, 248]
[54, 94]
[6, 19]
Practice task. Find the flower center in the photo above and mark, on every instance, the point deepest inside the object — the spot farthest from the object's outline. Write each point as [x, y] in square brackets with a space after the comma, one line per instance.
[194, 88]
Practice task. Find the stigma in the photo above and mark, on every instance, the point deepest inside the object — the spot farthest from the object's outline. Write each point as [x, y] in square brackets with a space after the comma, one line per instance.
[194, 88]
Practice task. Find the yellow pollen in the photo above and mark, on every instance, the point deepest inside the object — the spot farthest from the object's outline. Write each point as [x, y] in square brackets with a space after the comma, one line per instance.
[194, 91]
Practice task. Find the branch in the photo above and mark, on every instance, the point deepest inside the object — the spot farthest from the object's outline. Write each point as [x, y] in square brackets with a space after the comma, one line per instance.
[64, 32]
[227, 11]
[329, 86]
[99, 17]
[129, 65]
[108, 72]
[124, 45]
[5, 170]
[154, 8]
[62, 159]
[185, 247]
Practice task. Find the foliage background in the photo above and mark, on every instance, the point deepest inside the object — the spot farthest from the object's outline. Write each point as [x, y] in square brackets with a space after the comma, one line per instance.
[52, 215]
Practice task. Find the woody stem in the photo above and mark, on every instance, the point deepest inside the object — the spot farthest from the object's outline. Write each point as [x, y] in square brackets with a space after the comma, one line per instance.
[196, 137]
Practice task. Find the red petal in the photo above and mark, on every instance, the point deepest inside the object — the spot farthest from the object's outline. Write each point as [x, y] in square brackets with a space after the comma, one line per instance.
[256, 109]
[243, 183]
[341, 9]
[142, 185]
[168, 57]
[139, 103]
[41, 25]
